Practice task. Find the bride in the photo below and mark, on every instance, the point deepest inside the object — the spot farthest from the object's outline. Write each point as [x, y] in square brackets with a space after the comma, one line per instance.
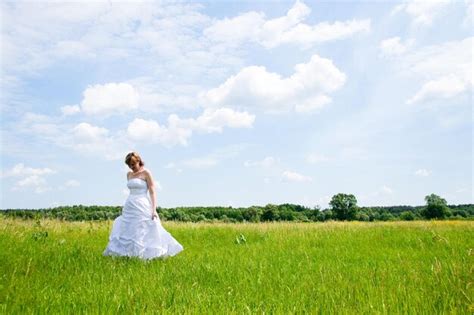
[138, 232]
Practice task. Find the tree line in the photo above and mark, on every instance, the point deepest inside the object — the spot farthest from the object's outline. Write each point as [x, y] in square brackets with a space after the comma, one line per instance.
[342, 207]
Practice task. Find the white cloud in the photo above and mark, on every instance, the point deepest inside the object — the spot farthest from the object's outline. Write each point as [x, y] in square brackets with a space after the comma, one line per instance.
[82, 137]
[35, 182]
[423, 12]
[423, 172]
[69, 183]
[445, 87]
[314, 158]
[382, 196]
[324, 201]
[386, 190]
[92, 140]
[200, 163]
[267, 162]
[98, 30]
[87, 132]
[288, 29]
[151, 131]
[30, 118]
[237, 30]
[156, 96]
[72, 183]
[445, 68]
[170, 165]
[158, 186]
[74, 49]
[164, 39]
[212, 159]
[20, 170]
[70, 109]
[173, 165]
[180, 130]
[213, 120]
[312, 104]
[469, 19]
[306, 35]
[31, 178]
[304, 90]
[295, 177]
[393, 46]
[109, 99]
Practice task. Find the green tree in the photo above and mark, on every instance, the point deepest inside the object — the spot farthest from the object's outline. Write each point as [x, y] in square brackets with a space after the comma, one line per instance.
[344, 206]
[407, 216]
[270, 213]
[436, 207]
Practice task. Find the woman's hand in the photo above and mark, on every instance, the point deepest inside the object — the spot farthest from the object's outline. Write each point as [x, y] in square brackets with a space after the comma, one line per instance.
[154, 215]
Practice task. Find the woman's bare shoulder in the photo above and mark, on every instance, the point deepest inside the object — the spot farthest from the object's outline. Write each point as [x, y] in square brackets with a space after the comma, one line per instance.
[147, 172]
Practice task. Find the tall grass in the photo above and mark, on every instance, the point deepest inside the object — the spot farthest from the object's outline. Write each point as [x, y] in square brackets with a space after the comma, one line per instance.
[333, 267]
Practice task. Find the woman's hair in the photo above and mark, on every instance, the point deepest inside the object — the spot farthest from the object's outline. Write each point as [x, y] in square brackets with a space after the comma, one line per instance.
[136, 156]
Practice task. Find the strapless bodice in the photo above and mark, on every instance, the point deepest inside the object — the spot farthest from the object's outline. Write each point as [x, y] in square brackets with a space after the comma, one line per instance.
[137, 186]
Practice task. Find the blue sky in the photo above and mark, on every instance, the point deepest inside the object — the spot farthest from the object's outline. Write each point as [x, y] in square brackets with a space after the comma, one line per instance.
[237, 103]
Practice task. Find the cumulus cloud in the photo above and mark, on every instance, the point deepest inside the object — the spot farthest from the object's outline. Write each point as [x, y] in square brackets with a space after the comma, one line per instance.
[101, 30]
[423, 172]
[72, 183]
[306, 89]
[29, 178]
[421, 11]
[110, 98]
[200, 163]
[382, 196]
[267, 162]
[295, 177]
[288, 29]
[21, 170]
[215, 157]
[178, 130]
[445, 68]
[386, 190]
[165, 38]
[445, 87]
[393, 46]
[92, 140]
[151, 131]
[87, 132]
[83, 137]
[469, 19]
[157, 97]
[158, 186]
[170, 165]
[314, 158]
[69, 183]
[214, 120]
[35, 182]
[235, 30]
[70, 109]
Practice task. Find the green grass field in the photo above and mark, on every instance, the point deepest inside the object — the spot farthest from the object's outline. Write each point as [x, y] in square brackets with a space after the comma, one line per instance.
[332, 267]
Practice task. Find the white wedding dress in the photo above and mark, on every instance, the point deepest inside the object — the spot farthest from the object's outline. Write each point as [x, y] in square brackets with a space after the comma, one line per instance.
[134, 233]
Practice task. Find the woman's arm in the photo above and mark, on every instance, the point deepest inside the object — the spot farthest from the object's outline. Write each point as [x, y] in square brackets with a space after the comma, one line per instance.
[151, 188]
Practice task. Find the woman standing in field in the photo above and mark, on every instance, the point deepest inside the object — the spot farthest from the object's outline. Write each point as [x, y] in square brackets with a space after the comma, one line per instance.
[138, 231]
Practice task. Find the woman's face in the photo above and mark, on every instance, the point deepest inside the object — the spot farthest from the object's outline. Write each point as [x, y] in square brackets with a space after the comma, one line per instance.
[134, 164]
